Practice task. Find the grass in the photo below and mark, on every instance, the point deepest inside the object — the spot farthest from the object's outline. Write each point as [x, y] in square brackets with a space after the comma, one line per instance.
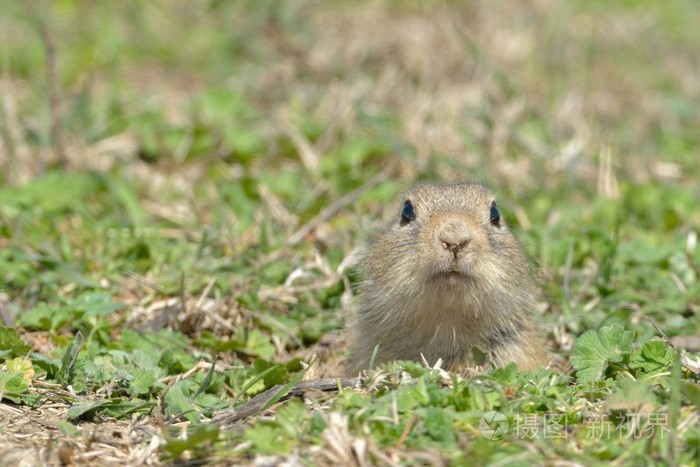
[166, 251]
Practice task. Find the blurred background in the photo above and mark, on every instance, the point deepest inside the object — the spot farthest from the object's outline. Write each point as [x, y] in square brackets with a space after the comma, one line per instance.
[153, 149]
[185, 182]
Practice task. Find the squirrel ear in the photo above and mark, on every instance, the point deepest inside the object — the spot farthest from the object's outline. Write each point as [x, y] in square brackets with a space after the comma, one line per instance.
[407, 213]
[495, 215]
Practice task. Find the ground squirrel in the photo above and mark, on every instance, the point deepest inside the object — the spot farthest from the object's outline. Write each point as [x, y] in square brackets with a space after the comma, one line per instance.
[448, 281]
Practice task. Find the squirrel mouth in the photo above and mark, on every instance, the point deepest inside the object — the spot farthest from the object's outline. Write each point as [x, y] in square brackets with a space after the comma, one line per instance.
[452, 278]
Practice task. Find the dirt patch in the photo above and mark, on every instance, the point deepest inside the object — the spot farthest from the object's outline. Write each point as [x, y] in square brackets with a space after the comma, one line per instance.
[43, 436]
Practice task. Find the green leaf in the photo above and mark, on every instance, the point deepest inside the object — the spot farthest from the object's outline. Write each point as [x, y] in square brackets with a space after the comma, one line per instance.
[168, 346]
[655, 355]
[49, 365]
[692, 392]
[420, 391]
[11, 344]
[54, 192]
[122, 410]
[252, 382]
[70, 356]
[507, 374]
[438, 425]
[14, 385]
[206, 382]
[630, 395]
[277, 374]
[68, 429]
[21, 365]
[283, 391]
[45, 317]
[259, 344]
[86, 409]
[179, 402]
[128, 198]
[142, 383]
[198, 437]
[595, 350]
[268, 439]
[95, 304]
[291, 416]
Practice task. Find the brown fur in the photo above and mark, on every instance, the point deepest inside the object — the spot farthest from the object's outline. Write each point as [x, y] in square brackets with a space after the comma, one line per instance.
[444, 284]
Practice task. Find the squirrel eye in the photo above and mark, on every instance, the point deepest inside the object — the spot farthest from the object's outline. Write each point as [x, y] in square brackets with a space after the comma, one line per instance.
[407, 213]
[495, 215]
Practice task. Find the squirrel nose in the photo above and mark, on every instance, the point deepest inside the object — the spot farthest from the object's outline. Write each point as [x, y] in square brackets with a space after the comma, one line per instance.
[454, 246]
[454, 238]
